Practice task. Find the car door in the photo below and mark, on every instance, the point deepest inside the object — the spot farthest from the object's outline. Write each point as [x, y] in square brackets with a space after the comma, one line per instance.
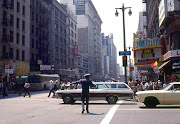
[172, 95]
[98, 92]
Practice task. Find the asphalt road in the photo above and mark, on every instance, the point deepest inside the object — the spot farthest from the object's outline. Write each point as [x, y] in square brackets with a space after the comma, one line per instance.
[39, 109]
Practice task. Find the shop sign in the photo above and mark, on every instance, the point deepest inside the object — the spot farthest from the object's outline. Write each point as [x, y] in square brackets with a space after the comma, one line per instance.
[22, 68]
[148, 56]
[46, 67]
[140, 43]
[148, 53]
[9, 71]
[176, 65]
[172, 53]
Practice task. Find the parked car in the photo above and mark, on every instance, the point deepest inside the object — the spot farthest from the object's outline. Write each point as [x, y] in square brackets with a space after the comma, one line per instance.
[166, 96]
[109, 91]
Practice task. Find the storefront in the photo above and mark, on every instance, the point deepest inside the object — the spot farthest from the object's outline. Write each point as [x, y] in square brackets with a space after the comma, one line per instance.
[171, 65]
[146, 52]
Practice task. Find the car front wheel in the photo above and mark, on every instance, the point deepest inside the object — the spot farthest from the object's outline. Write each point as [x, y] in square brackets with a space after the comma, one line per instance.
[111, 99]
[151, 102]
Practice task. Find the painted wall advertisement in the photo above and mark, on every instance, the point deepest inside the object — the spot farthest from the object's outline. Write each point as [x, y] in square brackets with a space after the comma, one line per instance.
[22, 68]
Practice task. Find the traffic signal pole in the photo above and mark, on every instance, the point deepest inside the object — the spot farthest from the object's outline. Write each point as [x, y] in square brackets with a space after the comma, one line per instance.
[125, 71]
[116, 14]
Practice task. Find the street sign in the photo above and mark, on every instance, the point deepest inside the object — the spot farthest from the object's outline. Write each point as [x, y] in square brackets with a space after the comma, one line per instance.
[124, 53]
[9, 71]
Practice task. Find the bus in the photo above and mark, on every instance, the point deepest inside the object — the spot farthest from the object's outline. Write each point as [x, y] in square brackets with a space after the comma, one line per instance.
[42, 81]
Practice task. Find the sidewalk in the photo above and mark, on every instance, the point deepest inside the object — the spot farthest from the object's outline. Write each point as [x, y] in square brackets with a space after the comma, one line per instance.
[12, 94]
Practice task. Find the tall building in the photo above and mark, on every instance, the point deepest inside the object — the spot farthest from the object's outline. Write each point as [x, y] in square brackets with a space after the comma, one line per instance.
[109, 56]
[58, 37]
[39, 34]
[89, 29]
[14, 37]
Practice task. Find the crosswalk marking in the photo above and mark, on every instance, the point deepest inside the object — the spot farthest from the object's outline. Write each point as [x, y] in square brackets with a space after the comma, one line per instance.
[110, 114]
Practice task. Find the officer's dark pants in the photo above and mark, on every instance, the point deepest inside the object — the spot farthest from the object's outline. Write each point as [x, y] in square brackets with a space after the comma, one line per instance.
[85, 95]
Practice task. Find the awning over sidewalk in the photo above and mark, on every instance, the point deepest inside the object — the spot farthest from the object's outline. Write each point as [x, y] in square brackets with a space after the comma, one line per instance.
[164, 64]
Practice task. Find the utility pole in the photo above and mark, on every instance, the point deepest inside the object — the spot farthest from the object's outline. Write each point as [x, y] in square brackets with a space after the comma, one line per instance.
[130, 13]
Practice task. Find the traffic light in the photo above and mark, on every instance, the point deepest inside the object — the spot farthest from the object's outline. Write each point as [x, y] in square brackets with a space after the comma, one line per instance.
[124, 61]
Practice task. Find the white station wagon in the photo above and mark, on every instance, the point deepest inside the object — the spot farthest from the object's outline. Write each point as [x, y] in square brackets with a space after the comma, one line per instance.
[166, 96]
[109, 91]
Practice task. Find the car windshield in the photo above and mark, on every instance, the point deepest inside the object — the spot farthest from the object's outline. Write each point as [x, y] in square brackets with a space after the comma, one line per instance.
[166, 88]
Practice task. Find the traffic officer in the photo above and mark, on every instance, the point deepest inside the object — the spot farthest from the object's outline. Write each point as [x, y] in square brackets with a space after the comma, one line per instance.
[85, 83]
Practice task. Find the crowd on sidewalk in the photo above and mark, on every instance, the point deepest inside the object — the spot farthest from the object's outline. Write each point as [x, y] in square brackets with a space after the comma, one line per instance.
[148, 85]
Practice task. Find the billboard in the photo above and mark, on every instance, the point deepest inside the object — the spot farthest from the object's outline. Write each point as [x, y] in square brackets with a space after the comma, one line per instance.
[22, 68]
[80, 7]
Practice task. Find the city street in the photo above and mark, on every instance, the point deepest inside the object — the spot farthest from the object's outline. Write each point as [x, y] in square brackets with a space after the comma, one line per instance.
[39, 109]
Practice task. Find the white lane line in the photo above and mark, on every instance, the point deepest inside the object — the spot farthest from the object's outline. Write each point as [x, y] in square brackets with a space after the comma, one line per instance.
[110, 114]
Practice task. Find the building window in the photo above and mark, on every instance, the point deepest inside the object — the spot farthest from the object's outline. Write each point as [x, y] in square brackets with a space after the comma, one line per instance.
[17, 54]
[4, 34]
[17, 38]
[32, 43]
[36, 31]
[23, 40]
[36, 44]
[11, 20]
[24, 10]
[4, 53]
[17, 23]
[18, 7]
[12, 4]
[11, 36]
[5, 18]
[32, 56]
[56, 49]
[32, 30]
[23, 55]
[11, 53]
[37, 18]
[56, 26]
[32, 16]
[23, 26]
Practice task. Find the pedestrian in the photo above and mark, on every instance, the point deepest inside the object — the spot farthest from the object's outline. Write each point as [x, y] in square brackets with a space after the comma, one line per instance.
[4, 88]
[62, 85]
[26, 89]
[18, 86]
[85, 83]
[51, 88]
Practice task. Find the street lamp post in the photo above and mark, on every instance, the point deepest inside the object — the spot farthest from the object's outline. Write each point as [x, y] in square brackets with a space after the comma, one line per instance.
[116, 14]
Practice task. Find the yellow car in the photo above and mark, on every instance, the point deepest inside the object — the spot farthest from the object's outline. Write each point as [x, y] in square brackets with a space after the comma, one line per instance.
[167, 96]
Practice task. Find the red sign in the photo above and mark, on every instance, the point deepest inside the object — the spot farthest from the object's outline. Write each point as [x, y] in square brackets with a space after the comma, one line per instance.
[131, 68]
[6, 66]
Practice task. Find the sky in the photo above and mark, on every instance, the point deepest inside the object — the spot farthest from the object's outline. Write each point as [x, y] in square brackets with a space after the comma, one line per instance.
[114, 25]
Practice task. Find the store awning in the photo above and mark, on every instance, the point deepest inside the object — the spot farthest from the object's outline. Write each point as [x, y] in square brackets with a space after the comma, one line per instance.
[164, 64]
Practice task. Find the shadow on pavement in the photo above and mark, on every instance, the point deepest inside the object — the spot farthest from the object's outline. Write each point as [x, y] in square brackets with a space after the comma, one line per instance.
[95, 114]
[102, 104]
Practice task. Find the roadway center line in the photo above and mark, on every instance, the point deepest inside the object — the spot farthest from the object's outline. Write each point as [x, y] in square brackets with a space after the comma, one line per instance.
[110, 114]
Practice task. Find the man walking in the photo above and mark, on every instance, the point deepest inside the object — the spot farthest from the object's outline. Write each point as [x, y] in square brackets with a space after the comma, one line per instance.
[86, 83]
[51, 88]
[26, 89]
